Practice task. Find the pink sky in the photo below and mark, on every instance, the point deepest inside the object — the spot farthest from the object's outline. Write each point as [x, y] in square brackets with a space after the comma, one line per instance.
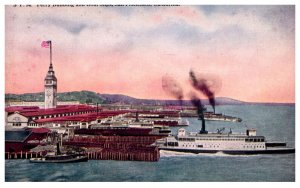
[128, 50]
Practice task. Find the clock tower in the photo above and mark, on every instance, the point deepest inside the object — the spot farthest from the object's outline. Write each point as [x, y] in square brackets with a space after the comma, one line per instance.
[50, 88]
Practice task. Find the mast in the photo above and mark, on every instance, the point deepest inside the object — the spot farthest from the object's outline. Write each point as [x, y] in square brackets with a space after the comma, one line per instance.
[50, 52]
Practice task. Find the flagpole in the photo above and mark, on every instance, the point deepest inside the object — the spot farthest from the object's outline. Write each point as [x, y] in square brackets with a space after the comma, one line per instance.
[50, 53]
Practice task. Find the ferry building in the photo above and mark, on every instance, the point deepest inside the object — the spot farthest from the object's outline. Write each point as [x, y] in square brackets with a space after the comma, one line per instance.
[53, 115]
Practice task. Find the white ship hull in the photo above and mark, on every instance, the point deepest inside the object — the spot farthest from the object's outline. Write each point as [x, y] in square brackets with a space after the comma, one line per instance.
[220, 142]
[232, 152]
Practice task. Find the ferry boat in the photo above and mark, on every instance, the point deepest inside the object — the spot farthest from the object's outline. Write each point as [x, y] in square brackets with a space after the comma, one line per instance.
[126, 128]
[228, 143]
[211, 116]
[161, 119]
[172, 122]
[220, 117]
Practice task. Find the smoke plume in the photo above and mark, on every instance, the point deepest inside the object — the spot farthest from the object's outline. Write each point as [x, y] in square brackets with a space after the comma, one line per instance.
[172, 88]
[200, 111]
[201, 85]
[197, 103]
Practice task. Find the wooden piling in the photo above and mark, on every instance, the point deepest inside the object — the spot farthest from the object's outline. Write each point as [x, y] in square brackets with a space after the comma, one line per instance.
[112, 148]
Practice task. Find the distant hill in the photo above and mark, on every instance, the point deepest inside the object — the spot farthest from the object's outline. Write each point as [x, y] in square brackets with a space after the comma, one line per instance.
[81, 96]
[93, 97]
[117, 98]
[224, 100]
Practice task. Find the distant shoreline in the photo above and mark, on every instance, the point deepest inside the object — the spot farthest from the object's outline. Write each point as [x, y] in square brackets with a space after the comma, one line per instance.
[92, 97]
[269, 104]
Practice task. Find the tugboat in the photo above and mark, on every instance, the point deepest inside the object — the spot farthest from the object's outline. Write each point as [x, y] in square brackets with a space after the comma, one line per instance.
[58, 157]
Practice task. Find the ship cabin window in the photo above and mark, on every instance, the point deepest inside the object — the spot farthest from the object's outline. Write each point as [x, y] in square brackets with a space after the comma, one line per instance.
[187, 139]
[17, 124]
[172, 143]
[254, 140]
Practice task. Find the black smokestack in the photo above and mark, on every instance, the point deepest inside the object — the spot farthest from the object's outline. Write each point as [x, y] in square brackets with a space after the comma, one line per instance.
[97, 108]
[57, 148]
[173, 88]
[200, 84]
[200, 111]
[137, 116]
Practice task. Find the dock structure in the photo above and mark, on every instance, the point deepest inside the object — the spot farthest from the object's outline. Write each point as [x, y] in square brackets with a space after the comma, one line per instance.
[145, 154]
[125, 148]
[22, 155]
[149, 154]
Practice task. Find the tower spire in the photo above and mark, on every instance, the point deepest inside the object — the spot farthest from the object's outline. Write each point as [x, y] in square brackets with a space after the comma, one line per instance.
[50, 81]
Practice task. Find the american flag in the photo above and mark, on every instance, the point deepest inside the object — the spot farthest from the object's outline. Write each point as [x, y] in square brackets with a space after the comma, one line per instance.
[46, 44]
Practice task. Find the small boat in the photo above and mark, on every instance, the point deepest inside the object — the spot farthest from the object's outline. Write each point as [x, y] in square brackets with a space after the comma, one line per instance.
[59, 157]
[63, 158]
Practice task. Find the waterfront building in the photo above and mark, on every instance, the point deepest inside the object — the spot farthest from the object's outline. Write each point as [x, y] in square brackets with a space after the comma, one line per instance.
[80, 116]
[17, 141]
[39, 104]
[16, 121]
[66, 115]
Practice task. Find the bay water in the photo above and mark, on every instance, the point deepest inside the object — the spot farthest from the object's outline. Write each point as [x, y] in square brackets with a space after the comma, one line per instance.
[275, 122]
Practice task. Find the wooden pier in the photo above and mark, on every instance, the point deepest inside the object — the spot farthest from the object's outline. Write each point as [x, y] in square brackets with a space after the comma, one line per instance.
[123, 148]
[151, 155]
[124, 156]
[22, 155]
